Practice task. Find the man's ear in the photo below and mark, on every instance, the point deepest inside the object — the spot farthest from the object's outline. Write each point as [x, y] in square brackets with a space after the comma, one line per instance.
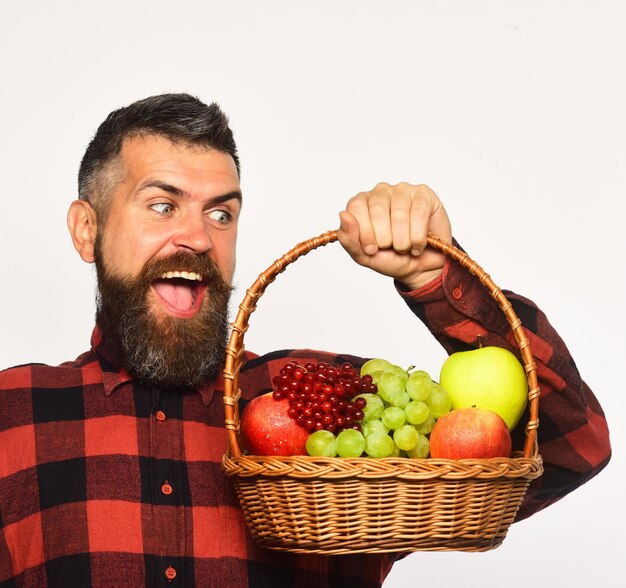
[81, 221]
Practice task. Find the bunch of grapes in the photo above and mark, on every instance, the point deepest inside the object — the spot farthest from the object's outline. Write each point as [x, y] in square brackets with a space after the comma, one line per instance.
[397, 418]
[320, 395]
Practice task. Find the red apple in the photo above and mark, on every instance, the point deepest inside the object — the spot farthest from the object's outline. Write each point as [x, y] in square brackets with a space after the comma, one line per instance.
[267, 429]
[470, 433]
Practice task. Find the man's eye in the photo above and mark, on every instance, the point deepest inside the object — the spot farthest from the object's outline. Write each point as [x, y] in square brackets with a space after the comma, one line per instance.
[162, 207]
[221, 216]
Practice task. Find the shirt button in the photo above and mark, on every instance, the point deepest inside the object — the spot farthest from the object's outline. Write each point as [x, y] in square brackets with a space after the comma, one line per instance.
[170, 573]
[166, 488]
[457, 293]
[160, 415]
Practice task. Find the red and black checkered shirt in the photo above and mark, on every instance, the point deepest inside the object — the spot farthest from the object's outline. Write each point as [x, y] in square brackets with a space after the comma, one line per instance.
[108, 482]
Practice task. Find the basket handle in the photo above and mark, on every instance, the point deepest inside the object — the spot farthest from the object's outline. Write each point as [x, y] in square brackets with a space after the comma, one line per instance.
[235, 347]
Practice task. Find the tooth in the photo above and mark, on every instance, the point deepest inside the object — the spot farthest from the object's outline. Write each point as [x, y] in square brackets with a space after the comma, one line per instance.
[177, 274]
[184, 274]
[163, 275]
[199, 277]
[169, 275]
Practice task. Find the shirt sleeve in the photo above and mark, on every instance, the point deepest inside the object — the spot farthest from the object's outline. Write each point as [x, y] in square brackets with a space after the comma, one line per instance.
[573, 433]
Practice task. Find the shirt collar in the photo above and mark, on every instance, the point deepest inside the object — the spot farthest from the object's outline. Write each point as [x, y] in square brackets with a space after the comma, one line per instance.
[114, 376]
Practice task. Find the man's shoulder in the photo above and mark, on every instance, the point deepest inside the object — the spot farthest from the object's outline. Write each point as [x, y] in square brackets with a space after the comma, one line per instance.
[40, 375]
[28, 391]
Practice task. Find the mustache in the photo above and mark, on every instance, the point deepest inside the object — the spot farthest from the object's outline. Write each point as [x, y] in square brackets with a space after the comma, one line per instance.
[168, 352]
[181, 261]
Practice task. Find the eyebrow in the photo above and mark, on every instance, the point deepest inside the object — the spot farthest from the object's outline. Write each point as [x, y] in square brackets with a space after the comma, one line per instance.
[179, 192]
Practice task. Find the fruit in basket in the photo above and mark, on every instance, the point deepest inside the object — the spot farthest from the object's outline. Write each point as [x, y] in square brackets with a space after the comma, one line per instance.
[350, 443]
[382, 411]
[416, 412]
[421, 450]
[390, 384]
[406, 437]
[374, 426]
[419, 385]
[427, 426]
[411, 403]
[321, 444]
[374, 365]
[379, 444]
[439, 401]
[373, 408]
[470, 433]
[320, 395]
[393, 417]
[487, 377]
[267, 428]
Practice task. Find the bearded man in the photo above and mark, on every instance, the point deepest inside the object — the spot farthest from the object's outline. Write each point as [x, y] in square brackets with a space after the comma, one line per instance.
[110, 465]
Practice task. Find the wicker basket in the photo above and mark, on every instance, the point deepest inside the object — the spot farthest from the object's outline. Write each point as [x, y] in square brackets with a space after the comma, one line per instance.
[338, 505]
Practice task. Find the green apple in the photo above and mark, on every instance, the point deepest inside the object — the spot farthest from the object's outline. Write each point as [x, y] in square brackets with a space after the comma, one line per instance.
[488, 377]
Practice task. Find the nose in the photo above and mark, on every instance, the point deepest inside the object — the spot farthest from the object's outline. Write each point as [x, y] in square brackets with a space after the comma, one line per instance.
[192, 233]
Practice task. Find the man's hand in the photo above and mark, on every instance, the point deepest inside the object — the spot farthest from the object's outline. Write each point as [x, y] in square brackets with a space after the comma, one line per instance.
[385, 230]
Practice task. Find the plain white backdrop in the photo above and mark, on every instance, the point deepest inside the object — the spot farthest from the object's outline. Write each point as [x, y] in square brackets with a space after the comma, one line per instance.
[513, 112]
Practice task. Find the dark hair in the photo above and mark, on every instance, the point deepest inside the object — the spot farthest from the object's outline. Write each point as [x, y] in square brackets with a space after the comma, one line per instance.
[181, 118]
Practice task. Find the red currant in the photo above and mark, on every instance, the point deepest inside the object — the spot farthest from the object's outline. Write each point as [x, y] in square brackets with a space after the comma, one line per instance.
[319, 394]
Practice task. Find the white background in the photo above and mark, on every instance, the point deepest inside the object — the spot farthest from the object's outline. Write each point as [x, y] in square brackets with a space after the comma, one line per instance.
[512, 111]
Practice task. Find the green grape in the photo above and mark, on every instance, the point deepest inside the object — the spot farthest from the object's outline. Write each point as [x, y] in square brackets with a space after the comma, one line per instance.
[427, 426]
[350, 443]
[393, 417]
[321, 444]
[374, 407]
[422, 448]
[400, 372]
[399, 399]
[373, 365]
[419, 385]
[389, 383]
[376, 376]
[374, 426]
[439, 401]
[379, 445]
[406, 437]
[416, 412]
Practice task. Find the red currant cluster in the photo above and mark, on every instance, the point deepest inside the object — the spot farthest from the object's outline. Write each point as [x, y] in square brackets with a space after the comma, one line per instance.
[319, 395]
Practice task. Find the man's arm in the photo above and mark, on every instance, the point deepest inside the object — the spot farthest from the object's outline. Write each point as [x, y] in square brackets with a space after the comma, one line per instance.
[385, 229]
[573, 433]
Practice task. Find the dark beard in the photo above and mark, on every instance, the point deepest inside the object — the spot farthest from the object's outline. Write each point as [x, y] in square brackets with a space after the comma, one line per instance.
[166, 351]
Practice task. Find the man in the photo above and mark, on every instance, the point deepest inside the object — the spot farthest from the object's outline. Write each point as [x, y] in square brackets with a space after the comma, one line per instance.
[110, 466]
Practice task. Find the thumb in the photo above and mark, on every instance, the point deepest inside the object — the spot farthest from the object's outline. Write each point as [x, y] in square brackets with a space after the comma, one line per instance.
[348, 234]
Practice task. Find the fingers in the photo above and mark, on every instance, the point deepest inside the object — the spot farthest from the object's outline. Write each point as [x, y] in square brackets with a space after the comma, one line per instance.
[400, 217]
[394, 217]
[423, 207]
[349, 234]
[368, 210]
[428, 216]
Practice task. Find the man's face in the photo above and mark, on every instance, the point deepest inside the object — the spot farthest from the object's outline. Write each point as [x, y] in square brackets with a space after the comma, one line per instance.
[172, 198]
[166, 257]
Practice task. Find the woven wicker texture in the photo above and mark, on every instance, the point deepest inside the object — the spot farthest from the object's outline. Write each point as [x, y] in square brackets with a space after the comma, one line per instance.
[363, 505]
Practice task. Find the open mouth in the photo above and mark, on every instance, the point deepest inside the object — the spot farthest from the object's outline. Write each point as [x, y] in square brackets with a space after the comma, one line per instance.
[180, 292]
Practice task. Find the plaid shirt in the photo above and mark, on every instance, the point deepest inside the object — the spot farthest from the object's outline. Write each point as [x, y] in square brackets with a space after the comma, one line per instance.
[108, 482]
